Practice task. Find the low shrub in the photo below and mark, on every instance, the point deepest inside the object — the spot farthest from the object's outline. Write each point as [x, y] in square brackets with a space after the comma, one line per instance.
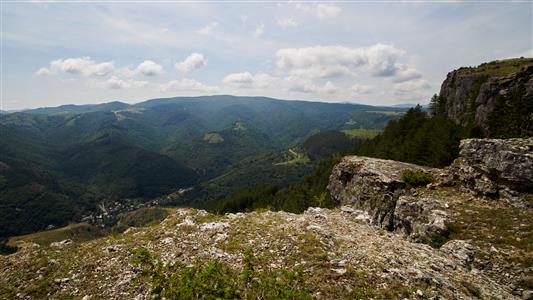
[416, 178]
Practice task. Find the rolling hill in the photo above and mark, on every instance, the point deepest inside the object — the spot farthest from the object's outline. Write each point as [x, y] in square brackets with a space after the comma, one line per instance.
[70, 159]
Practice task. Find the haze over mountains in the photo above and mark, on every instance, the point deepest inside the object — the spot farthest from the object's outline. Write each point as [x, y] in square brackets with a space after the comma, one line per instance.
[58, 163]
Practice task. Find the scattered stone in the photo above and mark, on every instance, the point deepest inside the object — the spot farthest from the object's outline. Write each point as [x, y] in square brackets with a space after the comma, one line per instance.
[61, 244]
[340, 271]
[461, 250]
[215, 226]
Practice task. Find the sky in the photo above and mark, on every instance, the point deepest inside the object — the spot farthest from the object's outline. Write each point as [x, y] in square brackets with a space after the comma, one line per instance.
[378, 53]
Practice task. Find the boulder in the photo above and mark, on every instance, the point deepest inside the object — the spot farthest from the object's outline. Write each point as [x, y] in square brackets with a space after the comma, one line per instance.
[372, 185]
[461, 251]
[421, 219]
[495, 167]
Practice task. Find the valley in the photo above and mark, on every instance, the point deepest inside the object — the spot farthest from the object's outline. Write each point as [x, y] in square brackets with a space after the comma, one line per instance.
[121, 156]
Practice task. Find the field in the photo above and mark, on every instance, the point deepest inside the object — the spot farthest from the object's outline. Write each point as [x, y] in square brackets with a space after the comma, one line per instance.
[386, 112]
[294, 157]
[75, 232]
[362, 133]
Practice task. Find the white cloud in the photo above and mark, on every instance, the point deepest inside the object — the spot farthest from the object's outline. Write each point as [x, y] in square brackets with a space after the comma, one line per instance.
[324, 11]
[412, 86]
[257, 81]
[116, 83]
[244, 79]
[44, 72]
[287, 22]
[321, 11]
[244, 19]
[208, 29]
[193, 62]
[308, 87]
[334, 61]
[259, 30]
[361, 89]
[84, 66]
[187, 85]
[320, 61]
[149, 68]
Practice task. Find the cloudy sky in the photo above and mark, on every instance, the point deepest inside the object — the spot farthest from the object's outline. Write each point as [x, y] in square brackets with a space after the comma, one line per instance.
[363, 52]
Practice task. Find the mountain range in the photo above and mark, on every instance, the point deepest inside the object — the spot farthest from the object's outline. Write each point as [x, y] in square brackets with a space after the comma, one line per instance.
[58, 164]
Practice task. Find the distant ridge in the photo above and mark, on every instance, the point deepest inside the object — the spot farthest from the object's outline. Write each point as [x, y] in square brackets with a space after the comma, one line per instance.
[73, 108]
[117, 105]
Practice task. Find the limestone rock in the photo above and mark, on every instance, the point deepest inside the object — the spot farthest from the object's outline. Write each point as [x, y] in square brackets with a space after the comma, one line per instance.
[460, 250]
[372, 185]
[420, 218]
[495, 167]
[471, 96]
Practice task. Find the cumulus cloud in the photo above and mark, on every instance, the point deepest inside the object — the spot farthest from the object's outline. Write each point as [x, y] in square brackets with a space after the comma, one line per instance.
[84, 66]
[244, 79]
[44, 72]
[412, 86]
[308, 87]
[333, 61]
[321, 11]
[247, 80]
[359, 89]
[187, 85]
[116, 83]
[259, 30]
[193, 62]
[287, 22]
[149, 68]
[265, 82]
[320, 61]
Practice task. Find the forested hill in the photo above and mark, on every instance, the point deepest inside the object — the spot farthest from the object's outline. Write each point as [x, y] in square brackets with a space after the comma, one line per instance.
[59, 164]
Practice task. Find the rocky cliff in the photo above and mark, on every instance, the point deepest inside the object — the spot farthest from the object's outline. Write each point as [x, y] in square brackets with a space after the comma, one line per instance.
[490, 173]
[469, 96]
[501, 169]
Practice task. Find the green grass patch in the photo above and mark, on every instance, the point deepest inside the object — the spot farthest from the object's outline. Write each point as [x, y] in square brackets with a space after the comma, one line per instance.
[362, 133]
[76, 232]
[141, 217]
[416, 178]
[386, 112]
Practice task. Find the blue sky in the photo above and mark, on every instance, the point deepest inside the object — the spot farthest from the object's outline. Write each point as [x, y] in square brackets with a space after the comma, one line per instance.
[363, 52]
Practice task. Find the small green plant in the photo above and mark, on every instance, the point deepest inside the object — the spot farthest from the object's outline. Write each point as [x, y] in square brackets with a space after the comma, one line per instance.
[142, 257]
[214, 279]
[416, 178]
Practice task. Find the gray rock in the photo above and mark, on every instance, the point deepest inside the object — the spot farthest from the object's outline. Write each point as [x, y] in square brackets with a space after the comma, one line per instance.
[462, 251]
[372, 185]
[61, 244]
[495, 167]
[420, 219]
[470, 97]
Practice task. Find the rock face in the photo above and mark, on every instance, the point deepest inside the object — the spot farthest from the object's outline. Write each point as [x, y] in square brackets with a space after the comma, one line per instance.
[494, 167]
[470, 94]
[376, 187]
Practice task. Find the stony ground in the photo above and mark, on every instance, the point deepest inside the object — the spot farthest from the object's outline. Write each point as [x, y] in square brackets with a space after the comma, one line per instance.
[321, 254]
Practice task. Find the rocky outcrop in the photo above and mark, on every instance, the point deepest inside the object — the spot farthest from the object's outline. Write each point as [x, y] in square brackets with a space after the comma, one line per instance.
[376, 187]
[495, 168]
[330, 252]
[471, 94]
